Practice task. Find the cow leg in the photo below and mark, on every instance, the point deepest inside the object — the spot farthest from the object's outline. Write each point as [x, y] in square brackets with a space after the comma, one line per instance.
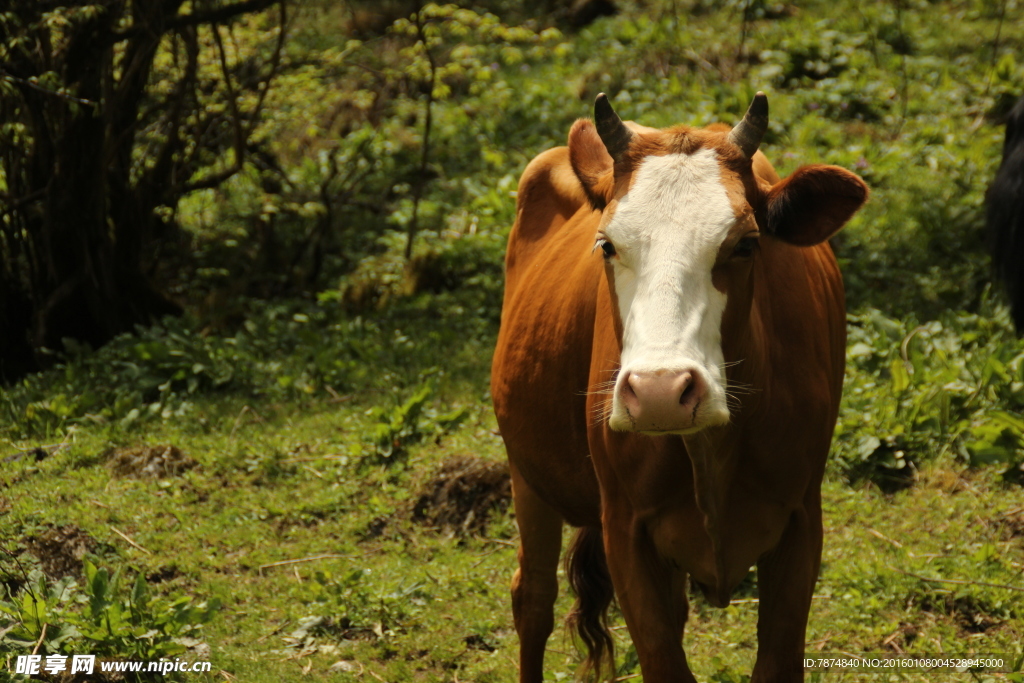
[786, 578]
[652, 596]
[535, 584]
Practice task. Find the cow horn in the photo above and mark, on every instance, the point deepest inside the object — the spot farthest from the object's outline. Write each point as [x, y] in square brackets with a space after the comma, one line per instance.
[748, 133]
[613, 131]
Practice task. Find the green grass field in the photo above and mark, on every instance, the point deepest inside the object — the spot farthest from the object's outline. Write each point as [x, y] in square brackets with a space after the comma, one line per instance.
[319, 549]
[311, 488]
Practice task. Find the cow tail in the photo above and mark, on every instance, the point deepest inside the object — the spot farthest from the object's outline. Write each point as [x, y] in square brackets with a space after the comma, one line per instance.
[587, 569]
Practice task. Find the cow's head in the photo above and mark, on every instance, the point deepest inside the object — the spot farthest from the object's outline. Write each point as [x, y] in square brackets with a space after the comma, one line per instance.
[682, 218]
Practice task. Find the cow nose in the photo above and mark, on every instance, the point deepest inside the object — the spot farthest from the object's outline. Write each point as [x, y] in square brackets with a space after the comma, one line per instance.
[663, 402]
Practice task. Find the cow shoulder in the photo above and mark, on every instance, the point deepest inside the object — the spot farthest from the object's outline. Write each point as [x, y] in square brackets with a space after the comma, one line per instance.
[549, 194]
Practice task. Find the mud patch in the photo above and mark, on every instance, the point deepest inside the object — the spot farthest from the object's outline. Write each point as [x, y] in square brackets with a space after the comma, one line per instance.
[375, 529]
[149, 462]
[163, 574]
[887, 463]
[900, 639]
[60, 550]
[477, 642]
[1012, 523]
[463, 494]
[323, 635]
[969, 614]
[1015, 474]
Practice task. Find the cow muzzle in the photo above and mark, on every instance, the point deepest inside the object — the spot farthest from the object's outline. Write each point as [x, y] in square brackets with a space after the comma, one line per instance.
[665, 402]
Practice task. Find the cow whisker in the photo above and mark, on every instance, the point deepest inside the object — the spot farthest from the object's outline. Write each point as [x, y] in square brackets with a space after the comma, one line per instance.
[741, 387]
[600, 388]
[600, 411]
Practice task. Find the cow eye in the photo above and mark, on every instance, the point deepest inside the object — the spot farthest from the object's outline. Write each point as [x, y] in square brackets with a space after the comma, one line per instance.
[607, 247]
[746, 246]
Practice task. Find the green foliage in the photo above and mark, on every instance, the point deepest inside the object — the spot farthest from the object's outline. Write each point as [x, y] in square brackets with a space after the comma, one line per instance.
[400, 425]
[292, 351]
[409, 422]
[355, 604]
[99, 618]
[726, 674]
[369, 142]
[916, 393]
[348, 361]
[328, 203]
[813, 56]
[39, 606]
[150, 373]
[112, 113]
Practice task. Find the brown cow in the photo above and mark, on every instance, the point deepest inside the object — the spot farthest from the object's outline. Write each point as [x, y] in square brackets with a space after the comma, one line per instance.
[667, 378]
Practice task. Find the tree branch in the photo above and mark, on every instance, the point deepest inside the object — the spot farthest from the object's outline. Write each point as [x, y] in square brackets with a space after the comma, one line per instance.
[275, 63]
[162, 171]
[35, 86]
[214, 16]
[22, 201]
[236, 118]
[241, 132]
[418, 187]
[213, 180]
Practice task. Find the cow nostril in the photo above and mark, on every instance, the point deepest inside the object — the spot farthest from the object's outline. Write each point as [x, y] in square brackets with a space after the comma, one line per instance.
[627, 388]
[688, 390]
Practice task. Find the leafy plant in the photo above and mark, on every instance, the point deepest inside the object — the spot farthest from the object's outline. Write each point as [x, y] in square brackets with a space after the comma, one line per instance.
[725, 673]
[403, 425]
[356, 609]
[100, 618]
[919, 393]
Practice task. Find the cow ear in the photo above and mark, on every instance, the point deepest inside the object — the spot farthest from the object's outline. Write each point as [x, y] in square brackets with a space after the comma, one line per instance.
[813, 203]
[591, 163]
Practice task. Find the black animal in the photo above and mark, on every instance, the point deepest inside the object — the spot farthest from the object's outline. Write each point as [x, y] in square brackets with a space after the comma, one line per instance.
[1005, 215]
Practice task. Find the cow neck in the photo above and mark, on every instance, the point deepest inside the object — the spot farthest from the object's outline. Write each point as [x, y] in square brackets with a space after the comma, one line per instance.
[717, 452]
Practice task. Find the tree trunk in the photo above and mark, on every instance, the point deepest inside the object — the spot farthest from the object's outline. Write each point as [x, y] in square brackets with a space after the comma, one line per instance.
[78, 209]
[91, 287]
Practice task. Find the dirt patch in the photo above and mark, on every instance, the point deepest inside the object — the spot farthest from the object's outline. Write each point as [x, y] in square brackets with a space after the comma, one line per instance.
[901, 638]
[163, 574]
[1015, 474]
[477, 642]
[1012, 523]
[462, 496]
[322, 634]
[60, 550]
[969, 614]
[149, 462]
[375, 529]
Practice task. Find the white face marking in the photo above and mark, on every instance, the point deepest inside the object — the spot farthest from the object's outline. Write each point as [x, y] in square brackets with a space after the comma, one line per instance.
[667, 231]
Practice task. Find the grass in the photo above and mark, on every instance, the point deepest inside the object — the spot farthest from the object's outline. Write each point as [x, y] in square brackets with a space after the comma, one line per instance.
[308, 435]
[289, 515]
